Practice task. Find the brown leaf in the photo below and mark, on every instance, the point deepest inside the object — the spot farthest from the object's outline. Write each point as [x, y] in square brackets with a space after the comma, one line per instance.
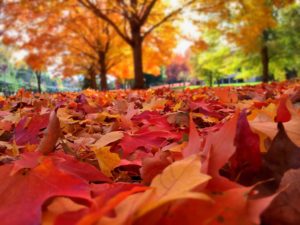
[284, 209]
[282, 155]
[51, 135]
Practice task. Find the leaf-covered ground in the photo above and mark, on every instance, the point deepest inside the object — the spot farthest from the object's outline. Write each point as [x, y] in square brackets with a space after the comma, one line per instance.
[204, 156]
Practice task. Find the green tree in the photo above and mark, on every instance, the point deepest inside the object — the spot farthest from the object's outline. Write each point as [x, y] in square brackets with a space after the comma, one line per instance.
[249, 25]
[230, 53]
[210, 64]
[285, 48]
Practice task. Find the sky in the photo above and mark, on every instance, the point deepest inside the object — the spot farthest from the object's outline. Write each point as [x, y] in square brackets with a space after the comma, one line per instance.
[187, 29]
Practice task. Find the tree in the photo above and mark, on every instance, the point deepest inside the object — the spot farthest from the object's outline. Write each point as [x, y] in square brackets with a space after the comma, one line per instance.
[63, 33]
[17, 30]
[91, 47]
[250, 25]
[54, 17]
[133, 21]
[210, 62]
[285, 49]
[8, 81]
[179, 68]
[37, 62]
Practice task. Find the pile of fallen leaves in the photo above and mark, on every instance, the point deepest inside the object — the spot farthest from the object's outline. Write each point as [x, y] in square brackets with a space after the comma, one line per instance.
[204, 156]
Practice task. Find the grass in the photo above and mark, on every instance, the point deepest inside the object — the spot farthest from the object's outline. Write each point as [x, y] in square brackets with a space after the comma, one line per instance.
[222, 85]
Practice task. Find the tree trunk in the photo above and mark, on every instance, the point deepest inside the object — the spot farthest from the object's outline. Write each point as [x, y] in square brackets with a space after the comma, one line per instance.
[290, 73]
[210, 79]
[93, 83]
[137, 59]
[103, 78]
[265, 63]
[218, 80]
[38, 78]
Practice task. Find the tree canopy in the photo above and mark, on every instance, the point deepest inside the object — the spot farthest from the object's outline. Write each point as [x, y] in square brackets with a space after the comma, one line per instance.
[239, 45]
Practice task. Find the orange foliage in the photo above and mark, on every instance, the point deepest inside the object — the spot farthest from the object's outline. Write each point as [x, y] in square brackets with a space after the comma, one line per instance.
[72, 36]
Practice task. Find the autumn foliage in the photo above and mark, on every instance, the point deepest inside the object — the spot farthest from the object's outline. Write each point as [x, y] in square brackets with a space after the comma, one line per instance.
[203, 156]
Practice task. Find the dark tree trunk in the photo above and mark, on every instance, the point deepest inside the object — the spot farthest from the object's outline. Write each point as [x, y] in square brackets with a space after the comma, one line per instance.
[265, 63]
[39, 78]
[93, 83]
[210, 79]
[103, 78]
[137, 58]
[218, 81]
[290, 73]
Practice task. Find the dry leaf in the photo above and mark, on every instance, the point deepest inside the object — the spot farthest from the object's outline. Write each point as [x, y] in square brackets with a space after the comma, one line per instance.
[107, 160]
[108, 138]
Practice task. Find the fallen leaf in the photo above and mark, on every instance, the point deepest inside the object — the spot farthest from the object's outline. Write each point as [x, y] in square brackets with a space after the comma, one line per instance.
[247, 158]
[147, 140]
[104, 193]
[29, 188]
[283, 114]
[218, 149]
[101, 210]
[51, 135]
[232, 207]
[28, 128]
[109, 190]
[107, 160]
[27, 160]
[152, 166]
[284, 209]
[226, 95]
[176, 182]
[270, 128]
[59, 206]
[195, 141]
[282, 155]
[108, 138]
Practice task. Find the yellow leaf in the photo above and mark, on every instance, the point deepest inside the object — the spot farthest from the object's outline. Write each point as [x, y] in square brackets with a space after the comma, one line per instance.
[15, 149]
[175, 147]
[102, 116]
[65, 117]
[205, 118]
[107, 160]
[262, 139]
[154, 104]
[108, 138]
[176, 182]
[59, 206]
[177, 106]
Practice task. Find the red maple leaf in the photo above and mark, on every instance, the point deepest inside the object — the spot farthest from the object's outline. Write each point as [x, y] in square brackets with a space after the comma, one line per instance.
[28, 183]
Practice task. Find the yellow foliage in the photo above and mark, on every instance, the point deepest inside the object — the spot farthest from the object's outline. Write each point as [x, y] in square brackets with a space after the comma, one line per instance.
[107, 160]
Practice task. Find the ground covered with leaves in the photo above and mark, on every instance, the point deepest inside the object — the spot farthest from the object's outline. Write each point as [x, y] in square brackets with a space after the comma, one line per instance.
[205, 156]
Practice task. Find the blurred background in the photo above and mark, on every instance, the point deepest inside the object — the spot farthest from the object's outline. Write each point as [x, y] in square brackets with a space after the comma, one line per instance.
[54, 45]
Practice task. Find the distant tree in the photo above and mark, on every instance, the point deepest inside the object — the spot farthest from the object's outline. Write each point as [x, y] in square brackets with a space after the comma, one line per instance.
[174, 72]
[90, 36]
[179, 68]
[250, 25]
[210, 64]
[62, 34]
[285, 48]
[239, 53]
[136, 21]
